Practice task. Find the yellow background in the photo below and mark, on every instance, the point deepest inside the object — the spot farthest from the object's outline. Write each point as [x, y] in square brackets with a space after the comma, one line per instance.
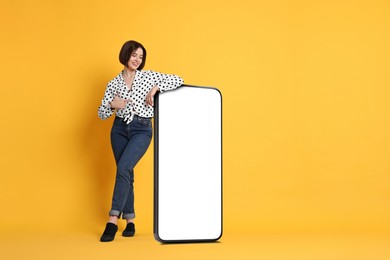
[306, 114]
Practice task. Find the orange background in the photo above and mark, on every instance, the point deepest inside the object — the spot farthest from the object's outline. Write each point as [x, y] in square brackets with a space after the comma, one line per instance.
[306, 109]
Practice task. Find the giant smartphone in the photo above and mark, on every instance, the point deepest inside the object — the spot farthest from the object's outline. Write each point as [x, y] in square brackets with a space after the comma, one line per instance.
[188, 165]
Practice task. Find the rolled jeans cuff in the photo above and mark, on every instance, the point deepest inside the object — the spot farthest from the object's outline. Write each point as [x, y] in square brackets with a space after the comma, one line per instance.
[118, 214]
[115, 213]
[128, 215]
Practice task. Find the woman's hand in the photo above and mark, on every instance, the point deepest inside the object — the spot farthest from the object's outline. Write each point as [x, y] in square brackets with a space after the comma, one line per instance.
[150, 95]
[118, 103]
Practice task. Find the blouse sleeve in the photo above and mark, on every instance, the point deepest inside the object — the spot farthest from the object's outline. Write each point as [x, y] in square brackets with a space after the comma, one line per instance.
[105, 110]
[166, 81]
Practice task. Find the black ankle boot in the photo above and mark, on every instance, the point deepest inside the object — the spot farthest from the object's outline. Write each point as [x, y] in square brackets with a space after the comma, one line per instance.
[129, 231]
[109, 232]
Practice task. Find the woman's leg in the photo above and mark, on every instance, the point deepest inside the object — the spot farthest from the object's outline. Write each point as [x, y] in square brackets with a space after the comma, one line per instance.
[129, 143]
[123, 199]
[119, 142]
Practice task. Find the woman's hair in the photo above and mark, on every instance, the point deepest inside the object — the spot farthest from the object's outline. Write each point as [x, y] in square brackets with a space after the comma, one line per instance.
[127, 49]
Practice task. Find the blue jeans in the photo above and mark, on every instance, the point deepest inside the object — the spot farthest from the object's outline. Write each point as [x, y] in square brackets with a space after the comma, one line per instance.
[129, 143]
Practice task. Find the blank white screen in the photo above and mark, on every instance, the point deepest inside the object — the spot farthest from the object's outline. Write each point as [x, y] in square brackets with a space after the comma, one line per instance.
[189, 188]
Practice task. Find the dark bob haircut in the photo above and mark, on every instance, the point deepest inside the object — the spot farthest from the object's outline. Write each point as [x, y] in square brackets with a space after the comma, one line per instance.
[127, 49]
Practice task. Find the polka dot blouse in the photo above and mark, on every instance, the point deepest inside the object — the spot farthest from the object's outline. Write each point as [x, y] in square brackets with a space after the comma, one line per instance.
[143, 82]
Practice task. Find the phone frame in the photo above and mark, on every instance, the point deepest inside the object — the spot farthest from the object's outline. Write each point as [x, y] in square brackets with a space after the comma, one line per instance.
[156, 173]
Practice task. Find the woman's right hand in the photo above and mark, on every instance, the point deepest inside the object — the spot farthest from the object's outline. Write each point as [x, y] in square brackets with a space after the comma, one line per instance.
[118, 103]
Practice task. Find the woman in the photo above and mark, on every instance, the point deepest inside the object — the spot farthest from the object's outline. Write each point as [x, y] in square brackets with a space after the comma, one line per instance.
[130, 96]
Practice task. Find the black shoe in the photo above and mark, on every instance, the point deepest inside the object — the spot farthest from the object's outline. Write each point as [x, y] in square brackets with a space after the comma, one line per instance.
[109, 232]
[129, 231]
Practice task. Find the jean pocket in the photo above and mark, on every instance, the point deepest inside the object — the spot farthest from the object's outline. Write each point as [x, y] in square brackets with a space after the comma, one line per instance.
[146, 122]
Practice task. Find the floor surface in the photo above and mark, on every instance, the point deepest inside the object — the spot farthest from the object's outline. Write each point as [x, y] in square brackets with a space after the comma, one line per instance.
[233, 245]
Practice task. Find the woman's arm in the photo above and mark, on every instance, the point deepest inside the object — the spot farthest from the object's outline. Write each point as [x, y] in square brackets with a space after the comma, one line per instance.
[150, 95]
[162, 82]
[166, 81]
[105, 110]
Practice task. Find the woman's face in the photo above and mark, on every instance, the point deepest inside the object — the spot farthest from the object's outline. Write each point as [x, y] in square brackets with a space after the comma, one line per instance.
[135, 59]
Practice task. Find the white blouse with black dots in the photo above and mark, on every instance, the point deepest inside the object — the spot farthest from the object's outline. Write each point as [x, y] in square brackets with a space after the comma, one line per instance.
[143, 82]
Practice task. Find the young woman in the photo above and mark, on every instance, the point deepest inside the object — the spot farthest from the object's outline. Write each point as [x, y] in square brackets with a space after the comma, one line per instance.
[130, 96]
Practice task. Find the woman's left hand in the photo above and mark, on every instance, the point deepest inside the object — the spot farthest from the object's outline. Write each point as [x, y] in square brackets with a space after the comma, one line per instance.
[150, 95]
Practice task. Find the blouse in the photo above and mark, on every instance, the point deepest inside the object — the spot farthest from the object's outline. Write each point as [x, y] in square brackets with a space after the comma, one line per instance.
[143, 82]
